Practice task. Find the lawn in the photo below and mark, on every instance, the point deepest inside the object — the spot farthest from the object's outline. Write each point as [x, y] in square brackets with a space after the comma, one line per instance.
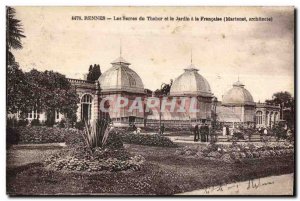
[164, 173]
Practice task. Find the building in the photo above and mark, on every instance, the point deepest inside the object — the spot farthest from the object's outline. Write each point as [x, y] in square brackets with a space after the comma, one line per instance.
[190, 89]
[238, 108]
[240, 101]
[116, 83]
[120, 82]
[191, 92]
[266, 115]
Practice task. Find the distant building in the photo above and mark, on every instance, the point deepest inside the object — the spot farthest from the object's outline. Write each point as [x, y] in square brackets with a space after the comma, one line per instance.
[238, 108]
[120, 81]
[266, 115]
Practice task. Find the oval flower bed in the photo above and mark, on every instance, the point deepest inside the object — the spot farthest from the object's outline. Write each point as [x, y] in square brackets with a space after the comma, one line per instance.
[238, 152]
[72, 163]
[111, 157]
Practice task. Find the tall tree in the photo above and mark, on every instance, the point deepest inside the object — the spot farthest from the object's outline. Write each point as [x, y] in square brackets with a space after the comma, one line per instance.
[287, 106]
[16, 88]
[51, 91]
[94, 72]
[14, 34]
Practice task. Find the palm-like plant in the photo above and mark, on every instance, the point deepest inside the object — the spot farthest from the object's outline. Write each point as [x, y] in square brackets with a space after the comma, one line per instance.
[14, 33]
[96, 133]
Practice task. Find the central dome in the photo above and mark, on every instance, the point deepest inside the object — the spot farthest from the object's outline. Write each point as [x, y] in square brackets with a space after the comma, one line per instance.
[190, 83]
[121, 78]
[238, 95]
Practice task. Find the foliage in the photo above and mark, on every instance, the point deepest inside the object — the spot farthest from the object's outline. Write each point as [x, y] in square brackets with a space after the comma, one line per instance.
[94, 165]
[42, 134]
[96, 134]
[51, 91]
[238, 135]
[79, 125]
[150, 140]
[165, 89]
[287, 106]
[94, 72]
[16, 89]
[12, 136]
[23, 122]
[14, 34]
[62, 123]
[11, 122]
[239, 152]
[279, 131]
[35, 122]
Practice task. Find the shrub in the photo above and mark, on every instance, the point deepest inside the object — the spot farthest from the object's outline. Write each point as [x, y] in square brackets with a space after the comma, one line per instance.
[12, 136]
[62, 123]
[35, 122]
[150, 140]
[43, 134]
[238, 135]
[23, 122]
[11, 122]
[79, 125]
[279, 132]
[49, 123]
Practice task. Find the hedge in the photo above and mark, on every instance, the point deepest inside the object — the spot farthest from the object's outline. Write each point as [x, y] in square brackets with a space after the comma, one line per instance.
[40, 134]
[150, 140]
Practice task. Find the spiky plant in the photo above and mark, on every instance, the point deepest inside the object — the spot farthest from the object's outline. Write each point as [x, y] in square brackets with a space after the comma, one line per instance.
[96, 133]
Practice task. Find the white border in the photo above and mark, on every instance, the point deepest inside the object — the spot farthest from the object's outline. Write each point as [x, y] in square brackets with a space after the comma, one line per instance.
[3, 3]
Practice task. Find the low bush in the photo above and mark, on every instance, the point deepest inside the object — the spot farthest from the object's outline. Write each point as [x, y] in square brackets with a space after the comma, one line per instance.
[150, 140]
[12, 136]
[35, 122]
[62, 123]
[79, 125]
[42, 134]
[23, 122]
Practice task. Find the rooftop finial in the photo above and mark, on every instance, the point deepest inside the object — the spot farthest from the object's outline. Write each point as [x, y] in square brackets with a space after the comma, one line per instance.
[120, 47]
[191, 55]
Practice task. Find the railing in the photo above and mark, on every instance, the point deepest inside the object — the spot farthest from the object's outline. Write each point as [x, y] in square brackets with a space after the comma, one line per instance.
[78, 81]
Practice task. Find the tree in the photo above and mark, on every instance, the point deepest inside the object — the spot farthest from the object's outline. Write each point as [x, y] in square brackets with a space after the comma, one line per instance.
[17, 89]
[16, 82]
[14, 34]
[164, 89]
[287, 106]
[50, 92]
[94, 72]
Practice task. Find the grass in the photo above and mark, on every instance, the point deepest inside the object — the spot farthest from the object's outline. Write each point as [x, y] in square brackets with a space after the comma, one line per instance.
[163, 174]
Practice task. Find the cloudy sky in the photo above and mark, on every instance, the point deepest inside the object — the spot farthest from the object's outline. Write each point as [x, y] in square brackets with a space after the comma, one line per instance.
[260, 53]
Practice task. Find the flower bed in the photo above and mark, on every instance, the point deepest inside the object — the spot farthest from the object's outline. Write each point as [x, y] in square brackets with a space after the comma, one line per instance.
[150, 140]
[78, 157]
[239, 152]
[72, 163]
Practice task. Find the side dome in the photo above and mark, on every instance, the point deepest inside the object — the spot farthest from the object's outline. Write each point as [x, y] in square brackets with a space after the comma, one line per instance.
[237, 96]
[190, 83]
[121, 78]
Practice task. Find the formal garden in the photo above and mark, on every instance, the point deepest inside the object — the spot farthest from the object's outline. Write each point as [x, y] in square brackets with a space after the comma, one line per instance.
[115, 161]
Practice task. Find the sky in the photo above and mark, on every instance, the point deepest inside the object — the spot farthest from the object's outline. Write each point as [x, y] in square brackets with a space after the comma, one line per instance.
[261, 54]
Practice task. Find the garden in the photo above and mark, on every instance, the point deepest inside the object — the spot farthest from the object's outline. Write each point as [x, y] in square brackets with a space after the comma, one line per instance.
[128, 163]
